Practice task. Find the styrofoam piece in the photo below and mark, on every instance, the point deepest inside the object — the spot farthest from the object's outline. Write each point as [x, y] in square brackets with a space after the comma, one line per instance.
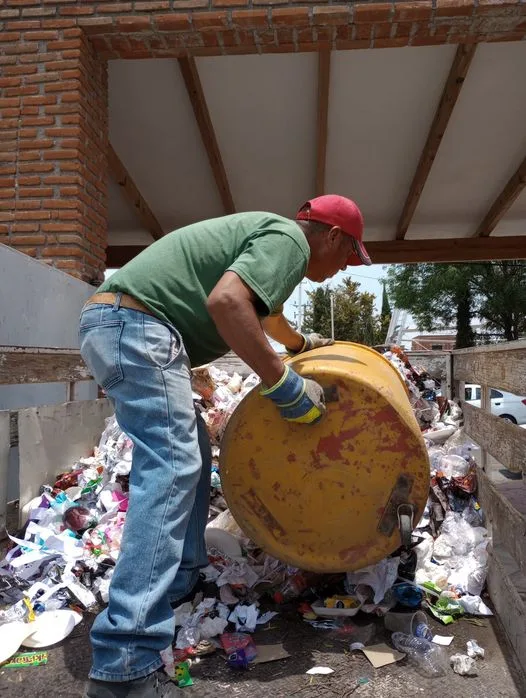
[320, 610]
[51, 627]
[440, 435]
[223, 541]
[11, 637]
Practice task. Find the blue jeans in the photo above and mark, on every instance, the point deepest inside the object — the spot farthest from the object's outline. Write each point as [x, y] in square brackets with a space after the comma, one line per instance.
[142, 365]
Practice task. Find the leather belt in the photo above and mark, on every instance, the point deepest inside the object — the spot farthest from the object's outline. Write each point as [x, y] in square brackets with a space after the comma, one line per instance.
[125, 302]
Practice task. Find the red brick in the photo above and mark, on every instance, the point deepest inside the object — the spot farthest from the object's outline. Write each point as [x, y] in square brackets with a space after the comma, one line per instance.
[8, 14]
[96, 25]
[62, 86]
[9, 82]
[61, 45]
[153, 6]
[37, 167]
[250, 18]
[34, 192]
[454, 8]
[293, 16]
[6, 37]
[39, 100]
[21, 49]
[133, 24]
[36, 145]
[42, 77]
[27, 239]
[76, 11]
[373, 12]
[60, 250]
[58, 23]
[179, 22]
[382, 31]
[114, 7]
[189, 4]
[210, 20]
[29, 181]
[60, 132]
[229, 3]
[39, 12]
[56, 204]
[413, 11]
[41, 35]
[403, 29]
[19, 69]
[331, 15]
[22, 24]
[7, 182]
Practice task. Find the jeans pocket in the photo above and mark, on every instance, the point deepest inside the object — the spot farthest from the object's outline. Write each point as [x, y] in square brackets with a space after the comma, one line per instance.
[162, 343]
[100, 349]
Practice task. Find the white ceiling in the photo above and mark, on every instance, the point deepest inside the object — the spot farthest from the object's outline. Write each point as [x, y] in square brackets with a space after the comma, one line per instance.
[264, 110]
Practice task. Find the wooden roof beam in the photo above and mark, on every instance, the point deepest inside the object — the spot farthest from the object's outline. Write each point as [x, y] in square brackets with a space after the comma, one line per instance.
[197, 98]
[503, 202]
[401, 251]
[454, 82]
[144, 213]
[324, 75]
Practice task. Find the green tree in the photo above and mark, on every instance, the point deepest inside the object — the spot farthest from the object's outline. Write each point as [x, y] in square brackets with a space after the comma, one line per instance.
[440, 294]
[355, 319]
[501, 289]
[435, 294]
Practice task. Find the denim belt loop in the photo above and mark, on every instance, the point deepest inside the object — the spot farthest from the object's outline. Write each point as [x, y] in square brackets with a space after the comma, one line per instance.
[117, 303]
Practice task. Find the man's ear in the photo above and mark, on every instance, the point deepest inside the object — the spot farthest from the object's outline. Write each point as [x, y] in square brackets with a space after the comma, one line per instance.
[334, 234]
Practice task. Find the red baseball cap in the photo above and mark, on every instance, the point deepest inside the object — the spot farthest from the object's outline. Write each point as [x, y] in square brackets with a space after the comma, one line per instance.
[341, 212]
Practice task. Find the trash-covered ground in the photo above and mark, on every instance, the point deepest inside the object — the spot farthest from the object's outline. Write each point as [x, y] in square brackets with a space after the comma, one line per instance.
[58, 570]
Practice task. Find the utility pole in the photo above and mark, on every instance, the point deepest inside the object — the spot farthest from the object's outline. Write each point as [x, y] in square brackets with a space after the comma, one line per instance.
[332, 314]
[300, 306]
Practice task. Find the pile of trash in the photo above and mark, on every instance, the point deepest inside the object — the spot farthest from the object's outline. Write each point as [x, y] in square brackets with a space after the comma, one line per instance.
[64, 558]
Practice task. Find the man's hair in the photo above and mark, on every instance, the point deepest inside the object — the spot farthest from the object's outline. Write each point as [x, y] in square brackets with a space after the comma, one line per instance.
[315, 227]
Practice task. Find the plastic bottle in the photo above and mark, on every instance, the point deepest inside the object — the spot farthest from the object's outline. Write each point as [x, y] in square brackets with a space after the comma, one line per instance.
[423, 630]
[429, 658]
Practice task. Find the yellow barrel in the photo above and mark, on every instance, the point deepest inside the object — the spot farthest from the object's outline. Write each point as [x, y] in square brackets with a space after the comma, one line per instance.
[327, 497]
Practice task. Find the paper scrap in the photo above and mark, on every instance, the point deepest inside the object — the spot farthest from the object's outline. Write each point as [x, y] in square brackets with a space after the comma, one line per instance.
[25, 659]
[270, 653]
[444, 640]
[382, 654]
[320, 670]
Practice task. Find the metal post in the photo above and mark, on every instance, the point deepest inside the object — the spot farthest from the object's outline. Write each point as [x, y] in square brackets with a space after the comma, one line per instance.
[300, 306]
[332, 315]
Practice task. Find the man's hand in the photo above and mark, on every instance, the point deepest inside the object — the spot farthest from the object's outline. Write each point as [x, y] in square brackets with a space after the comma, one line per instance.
[311, 341]
[298, 399]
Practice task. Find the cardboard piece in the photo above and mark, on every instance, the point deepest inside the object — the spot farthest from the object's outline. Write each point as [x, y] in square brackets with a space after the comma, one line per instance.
[444, 640]
[270, 653]
[381, 655]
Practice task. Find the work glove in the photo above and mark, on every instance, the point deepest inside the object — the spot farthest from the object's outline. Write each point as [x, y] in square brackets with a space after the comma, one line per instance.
[298, 399]
[311, 341]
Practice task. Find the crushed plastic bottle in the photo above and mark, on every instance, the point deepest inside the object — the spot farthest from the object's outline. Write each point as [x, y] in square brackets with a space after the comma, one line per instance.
[423, 630]
[429, 658]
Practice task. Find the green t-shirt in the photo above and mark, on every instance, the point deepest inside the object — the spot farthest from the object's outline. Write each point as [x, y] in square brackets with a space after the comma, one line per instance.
[174, 276]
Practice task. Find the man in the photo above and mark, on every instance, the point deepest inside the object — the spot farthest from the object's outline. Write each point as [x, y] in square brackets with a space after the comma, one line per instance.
[183, 302]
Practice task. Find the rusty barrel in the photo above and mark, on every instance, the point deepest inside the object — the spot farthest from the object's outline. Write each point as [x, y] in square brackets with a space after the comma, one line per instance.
[326, 497]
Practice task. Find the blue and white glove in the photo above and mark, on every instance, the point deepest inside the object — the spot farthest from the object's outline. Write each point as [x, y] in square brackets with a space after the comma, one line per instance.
[298, 399]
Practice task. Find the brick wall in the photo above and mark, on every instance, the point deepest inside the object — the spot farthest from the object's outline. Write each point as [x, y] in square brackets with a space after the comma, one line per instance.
[53, 134]
[53, 86]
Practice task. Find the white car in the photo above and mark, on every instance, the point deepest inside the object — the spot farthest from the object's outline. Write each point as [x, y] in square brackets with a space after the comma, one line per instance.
[506, 405]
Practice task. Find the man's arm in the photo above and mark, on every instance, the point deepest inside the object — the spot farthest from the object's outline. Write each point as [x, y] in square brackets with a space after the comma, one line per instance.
[231, 305]
[277, 327]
